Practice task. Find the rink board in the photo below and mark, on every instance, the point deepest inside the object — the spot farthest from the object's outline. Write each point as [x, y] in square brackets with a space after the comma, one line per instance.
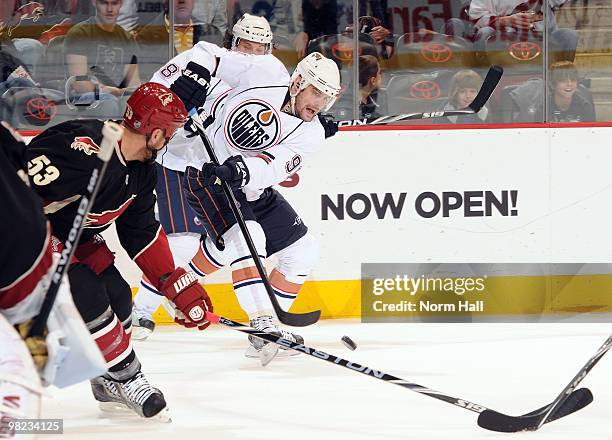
[523, 194]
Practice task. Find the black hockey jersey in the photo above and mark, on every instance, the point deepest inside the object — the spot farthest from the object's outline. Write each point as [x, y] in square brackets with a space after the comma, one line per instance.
[61, 160]
[25, 254]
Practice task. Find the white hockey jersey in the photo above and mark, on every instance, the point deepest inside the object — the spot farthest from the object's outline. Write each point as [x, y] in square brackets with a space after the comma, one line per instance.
[181, 150]
[248, 118]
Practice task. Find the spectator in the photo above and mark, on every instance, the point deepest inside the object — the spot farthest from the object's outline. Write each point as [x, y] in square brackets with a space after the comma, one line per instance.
[513, 19]
[463, 88]
[154, 37]
[98, 46]
[320, 17]
[567, 100]
[370, 78]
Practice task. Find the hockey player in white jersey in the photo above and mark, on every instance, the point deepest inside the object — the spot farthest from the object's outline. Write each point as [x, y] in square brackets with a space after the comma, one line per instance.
[265, 131]
[250, 35]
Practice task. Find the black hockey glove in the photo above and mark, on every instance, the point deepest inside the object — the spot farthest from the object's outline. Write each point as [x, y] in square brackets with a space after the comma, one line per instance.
[233, 171]
[192, 85]
[329, 125]
[191, 126]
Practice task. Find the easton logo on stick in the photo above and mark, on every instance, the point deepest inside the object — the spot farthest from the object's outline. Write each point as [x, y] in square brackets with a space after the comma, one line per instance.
[253, 125]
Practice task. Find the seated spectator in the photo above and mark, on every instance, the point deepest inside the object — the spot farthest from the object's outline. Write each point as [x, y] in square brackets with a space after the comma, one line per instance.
[99, 47]
[370, 78]
[567, 100]
[517, 19]
[153, 38]
[463, 88]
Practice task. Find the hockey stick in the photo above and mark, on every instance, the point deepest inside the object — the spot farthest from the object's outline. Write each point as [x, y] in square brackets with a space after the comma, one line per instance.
[486, 90]
[111, 132]
[499, 422]
[576, 400]
[292, 319]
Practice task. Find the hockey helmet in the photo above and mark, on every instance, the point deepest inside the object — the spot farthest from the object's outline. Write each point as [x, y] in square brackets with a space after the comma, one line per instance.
[319, 72]
[252, 28]
[152, 106]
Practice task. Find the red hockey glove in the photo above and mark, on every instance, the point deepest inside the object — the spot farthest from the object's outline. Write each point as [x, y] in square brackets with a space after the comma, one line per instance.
[189, 298]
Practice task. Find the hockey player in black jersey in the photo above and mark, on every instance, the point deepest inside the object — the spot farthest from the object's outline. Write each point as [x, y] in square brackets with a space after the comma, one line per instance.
[28, 265]
[60, 162]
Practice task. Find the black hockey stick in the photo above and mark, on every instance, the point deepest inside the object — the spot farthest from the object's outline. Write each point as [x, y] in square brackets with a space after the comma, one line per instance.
[292, 319]
[499, 422]
[576, 400]
[111, 133]
[486, 90]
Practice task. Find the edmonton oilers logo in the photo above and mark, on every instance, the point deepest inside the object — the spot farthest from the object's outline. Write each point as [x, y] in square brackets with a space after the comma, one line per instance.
[253, 125]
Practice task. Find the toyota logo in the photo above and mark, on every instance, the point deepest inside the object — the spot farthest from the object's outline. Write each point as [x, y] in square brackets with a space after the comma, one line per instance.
[425, 90]
[436, 52]
[344, 52]
[524, 50]
[39, 111]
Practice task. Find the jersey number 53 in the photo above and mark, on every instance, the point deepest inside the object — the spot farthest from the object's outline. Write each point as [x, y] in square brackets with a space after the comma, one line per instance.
[41, 171]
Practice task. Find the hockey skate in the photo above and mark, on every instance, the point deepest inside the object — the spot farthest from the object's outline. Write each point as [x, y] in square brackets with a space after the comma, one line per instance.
[265, 350]
[136, 395]
[142, 326]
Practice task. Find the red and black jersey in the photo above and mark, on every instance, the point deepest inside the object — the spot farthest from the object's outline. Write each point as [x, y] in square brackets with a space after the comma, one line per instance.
[25, 253]
[61, 161]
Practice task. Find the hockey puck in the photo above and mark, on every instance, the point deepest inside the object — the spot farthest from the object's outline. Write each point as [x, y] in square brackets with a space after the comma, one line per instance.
[349, 343]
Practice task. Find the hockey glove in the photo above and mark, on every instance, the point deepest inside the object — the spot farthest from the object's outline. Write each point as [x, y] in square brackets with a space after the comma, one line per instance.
[329, 125]
[192, 85]
[189, 298]
[233, 171]
[191, 126]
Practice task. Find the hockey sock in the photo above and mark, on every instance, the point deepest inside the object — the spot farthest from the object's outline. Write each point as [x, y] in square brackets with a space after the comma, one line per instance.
[286, 291]
[251, 292]
[115, 345]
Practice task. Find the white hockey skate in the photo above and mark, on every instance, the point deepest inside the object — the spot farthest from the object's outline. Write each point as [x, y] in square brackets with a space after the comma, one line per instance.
[142, 326]
[135, 395]
[264, 350]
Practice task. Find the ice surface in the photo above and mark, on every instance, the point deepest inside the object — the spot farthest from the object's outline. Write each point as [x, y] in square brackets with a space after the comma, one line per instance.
[214, 392]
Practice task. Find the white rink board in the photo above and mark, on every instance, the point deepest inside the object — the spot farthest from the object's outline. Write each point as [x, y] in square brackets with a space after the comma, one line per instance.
[562, 176]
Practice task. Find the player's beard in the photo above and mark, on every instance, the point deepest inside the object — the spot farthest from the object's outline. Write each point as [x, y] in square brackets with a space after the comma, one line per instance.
[151, 153]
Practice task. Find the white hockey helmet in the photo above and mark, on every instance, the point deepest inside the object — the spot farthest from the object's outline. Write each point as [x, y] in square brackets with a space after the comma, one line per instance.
[319, 72]
[252, 28]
